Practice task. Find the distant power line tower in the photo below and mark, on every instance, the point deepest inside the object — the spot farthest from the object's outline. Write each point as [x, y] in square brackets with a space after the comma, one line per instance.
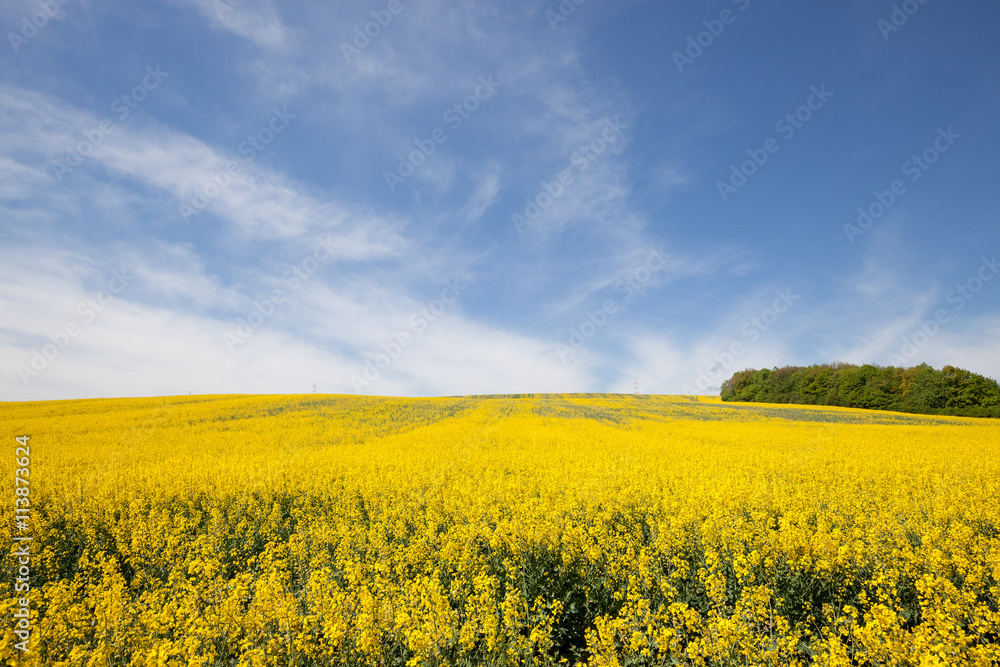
[637, 384]
[314, 389]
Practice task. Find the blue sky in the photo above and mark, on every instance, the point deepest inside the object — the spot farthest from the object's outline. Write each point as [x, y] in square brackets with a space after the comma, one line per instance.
[254, 197]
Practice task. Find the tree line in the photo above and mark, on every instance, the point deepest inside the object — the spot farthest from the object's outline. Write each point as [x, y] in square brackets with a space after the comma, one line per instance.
[919, 389]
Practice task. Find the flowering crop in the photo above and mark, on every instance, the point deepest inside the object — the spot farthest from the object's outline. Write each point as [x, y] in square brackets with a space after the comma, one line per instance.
[605, 529]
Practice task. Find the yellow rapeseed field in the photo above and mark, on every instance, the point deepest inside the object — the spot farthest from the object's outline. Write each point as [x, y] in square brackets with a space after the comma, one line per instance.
[606, 529]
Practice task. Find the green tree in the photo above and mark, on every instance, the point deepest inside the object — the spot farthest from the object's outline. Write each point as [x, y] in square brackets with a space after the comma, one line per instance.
[919, 389]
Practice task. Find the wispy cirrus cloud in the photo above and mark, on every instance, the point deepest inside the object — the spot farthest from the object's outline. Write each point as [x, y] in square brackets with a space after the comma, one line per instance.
[255, 20]
[256, 202]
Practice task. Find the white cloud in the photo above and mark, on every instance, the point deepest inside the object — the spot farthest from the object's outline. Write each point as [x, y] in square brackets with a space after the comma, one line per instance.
[257, 202]
[17, 180]
[455, 356]
[126, 346]
[670, 178]
[487, 187]
[255, 20]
